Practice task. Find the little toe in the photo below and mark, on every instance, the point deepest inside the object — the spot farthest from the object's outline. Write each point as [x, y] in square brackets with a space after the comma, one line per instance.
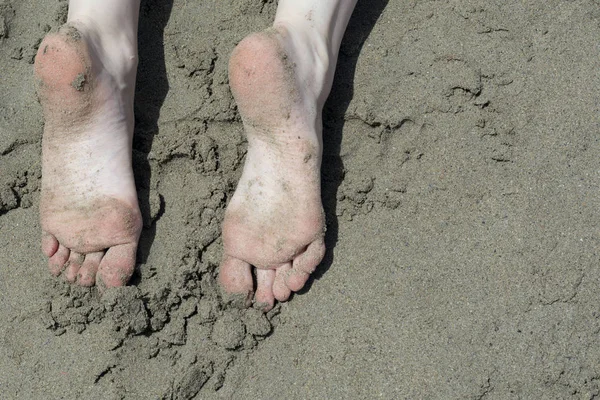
[73, 266]
[309, 259]
[49, 244]
[117, 265]
[235, 277]
[295, 280]
[280, 290]
[59, 259]
[89, 268]
[305, 264]
[264, 298]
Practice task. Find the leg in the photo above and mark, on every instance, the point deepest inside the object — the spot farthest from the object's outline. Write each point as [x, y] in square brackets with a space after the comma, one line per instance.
[280, 79]
[86, 80]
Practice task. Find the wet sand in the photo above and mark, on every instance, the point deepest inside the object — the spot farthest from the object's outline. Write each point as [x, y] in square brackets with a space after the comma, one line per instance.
[460, 181]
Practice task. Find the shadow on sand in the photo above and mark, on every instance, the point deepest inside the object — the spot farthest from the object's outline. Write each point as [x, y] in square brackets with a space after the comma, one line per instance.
[152, 87]
[365, 15]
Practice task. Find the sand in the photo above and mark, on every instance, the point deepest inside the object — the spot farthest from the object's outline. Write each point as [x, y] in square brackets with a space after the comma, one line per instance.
[460, 181]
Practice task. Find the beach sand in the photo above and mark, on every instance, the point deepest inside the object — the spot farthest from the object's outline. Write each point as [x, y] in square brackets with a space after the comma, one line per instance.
[461, 183]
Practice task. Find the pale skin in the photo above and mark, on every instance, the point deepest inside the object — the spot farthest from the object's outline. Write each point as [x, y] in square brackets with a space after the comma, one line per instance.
[280, 79]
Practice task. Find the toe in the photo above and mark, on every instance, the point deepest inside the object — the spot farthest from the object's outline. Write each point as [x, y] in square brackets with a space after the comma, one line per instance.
[117, 265]
[280, 290]
[89, 268]
[264, 297]
[59, 259]
[49, 244]
[235, 278]
[308, 260]
[304, 264]
[73, 266]
[295, 280]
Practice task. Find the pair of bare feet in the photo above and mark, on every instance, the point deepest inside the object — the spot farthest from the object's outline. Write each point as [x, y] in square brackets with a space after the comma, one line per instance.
[89, 212]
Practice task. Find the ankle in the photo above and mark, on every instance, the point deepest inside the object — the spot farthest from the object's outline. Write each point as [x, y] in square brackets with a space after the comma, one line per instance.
[114, 51]
[310, 54]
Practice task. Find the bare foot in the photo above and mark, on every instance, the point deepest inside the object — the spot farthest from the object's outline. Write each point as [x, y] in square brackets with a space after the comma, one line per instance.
[275, 220]
[89, 211]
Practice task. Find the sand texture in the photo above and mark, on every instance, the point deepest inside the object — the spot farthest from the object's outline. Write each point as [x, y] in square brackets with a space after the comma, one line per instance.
[461, 178]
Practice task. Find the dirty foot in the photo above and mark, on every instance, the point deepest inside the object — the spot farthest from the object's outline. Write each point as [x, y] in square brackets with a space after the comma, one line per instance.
[89, 211]
[275, 220]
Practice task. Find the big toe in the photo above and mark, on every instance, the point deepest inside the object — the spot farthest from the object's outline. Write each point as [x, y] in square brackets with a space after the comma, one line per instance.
[235, 277]
[117, 265]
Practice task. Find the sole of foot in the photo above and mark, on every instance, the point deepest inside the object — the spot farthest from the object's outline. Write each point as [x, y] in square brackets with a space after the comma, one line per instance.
[88, 210]
[275, 222]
